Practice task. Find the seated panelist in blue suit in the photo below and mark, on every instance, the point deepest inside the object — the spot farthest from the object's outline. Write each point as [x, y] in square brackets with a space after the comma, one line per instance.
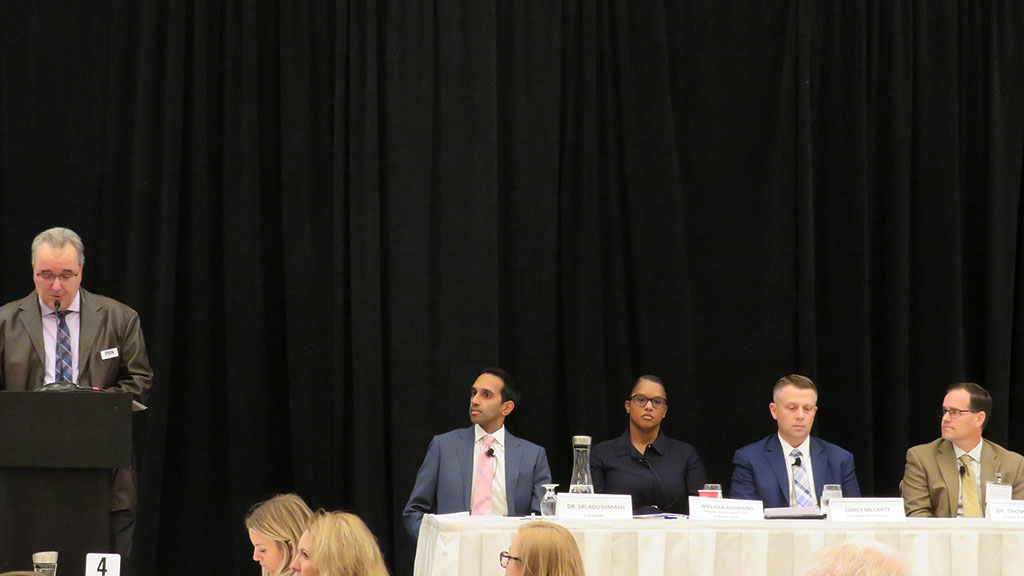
[790, 468]
[482, 469]
[660, 473]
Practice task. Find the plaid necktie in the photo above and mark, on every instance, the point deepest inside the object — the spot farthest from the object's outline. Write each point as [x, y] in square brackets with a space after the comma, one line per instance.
[62, 367]
[969, 489]
[801, 483]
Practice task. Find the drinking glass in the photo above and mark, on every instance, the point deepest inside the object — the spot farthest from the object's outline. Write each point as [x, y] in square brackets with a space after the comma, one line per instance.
[710, 491]
[45, 563]
[828, 492]
[549, 503]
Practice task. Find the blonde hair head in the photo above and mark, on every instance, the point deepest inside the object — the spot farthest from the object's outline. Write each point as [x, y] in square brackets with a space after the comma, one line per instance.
[281, 519]
[858, 558]
[547, 549]
[342, 545]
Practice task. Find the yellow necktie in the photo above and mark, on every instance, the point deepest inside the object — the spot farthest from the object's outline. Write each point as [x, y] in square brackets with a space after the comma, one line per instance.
[969, 489]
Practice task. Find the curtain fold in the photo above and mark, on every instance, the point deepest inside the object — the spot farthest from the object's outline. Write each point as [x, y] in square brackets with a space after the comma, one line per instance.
[330, 214]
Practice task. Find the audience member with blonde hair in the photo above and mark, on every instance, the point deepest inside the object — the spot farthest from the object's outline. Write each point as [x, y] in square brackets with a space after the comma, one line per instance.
[542, 549]
[858, 558]
[338, 544]
[275, 527]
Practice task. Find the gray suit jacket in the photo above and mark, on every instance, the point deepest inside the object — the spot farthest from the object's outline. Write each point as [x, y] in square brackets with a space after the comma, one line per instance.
[931, 480]
[444, 483]
[106, 324]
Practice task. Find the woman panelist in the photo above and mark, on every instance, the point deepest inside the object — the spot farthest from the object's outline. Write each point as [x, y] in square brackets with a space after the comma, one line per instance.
[658, 472]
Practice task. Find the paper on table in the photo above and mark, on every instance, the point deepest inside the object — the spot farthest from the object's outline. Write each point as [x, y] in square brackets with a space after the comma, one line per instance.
[452, 515]
[793, 512]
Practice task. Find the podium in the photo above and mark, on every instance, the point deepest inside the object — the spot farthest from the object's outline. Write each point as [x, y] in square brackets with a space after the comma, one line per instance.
[58, 452]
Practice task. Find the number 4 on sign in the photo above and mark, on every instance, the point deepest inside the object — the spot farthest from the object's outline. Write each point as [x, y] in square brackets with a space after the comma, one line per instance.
[102, 565]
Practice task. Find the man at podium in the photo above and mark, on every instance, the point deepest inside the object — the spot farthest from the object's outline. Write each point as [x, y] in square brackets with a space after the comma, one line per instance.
[62, 333]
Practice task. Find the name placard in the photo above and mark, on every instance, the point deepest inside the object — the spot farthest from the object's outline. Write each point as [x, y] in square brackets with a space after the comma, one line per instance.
[577, 506]
[1005, 510]
[866, 510]
[725, 509]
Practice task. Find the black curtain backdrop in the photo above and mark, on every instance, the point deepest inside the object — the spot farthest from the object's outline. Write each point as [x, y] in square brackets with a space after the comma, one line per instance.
[330, 214]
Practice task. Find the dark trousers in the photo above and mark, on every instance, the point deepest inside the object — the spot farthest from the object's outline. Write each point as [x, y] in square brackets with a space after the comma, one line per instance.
[122, 527]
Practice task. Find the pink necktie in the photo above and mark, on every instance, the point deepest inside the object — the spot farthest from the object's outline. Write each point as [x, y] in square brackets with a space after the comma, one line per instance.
[484, 479]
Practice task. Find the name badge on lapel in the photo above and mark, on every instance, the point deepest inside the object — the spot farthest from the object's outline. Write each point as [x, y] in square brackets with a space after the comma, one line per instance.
[108, 353]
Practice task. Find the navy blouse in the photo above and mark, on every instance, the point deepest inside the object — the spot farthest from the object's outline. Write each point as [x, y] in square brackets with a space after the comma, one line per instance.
[660, 480]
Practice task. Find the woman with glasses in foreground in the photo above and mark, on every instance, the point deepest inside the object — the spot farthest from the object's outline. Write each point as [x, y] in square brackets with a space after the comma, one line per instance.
[658, 472]
[338, 544]
[542, 549]
[275, 527]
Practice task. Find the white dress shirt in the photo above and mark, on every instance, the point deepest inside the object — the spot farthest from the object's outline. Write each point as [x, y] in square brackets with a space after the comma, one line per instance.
[805, 461]
[975, 455]
[499, 500]
[74, 320]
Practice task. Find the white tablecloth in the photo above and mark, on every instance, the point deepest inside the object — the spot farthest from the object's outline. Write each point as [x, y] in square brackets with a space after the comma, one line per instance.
[451, 545]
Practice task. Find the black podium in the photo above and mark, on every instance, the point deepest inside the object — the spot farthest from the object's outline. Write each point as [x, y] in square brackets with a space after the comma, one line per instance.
[58, 452]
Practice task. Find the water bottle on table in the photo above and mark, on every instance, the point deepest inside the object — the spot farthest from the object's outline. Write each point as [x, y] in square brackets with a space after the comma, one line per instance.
[581, 482]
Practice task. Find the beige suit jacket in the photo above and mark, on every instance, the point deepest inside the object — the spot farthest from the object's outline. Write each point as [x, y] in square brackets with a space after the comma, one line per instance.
[106, 324]
[931, 480]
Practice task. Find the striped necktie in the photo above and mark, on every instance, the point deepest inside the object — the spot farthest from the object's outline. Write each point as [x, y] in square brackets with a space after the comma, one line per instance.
[969, 489]
[801, 483]
[62, 367]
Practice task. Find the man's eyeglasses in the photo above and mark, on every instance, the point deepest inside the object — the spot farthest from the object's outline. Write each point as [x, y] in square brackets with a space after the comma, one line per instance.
[639, 400]
[49, 277]
[504, 557]
[954, 413]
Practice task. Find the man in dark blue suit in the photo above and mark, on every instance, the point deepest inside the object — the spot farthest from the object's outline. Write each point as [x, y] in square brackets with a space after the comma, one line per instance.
[790, 468]
[453, 476]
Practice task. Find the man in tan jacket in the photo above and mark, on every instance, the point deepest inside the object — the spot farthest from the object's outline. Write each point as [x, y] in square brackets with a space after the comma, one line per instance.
[947, 477]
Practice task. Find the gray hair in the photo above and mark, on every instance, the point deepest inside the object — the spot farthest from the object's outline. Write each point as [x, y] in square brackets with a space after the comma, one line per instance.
[858, 558]
[58, 238]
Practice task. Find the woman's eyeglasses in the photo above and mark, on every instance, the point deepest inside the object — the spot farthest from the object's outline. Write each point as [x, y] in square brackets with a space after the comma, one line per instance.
[639, 400]
[504, 557]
